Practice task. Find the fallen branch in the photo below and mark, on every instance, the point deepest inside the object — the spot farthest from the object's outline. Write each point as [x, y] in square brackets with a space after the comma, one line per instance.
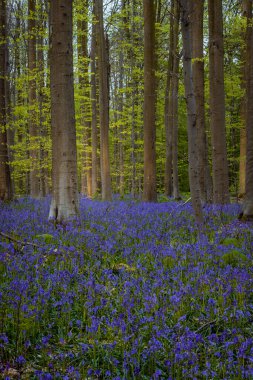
[20, 242]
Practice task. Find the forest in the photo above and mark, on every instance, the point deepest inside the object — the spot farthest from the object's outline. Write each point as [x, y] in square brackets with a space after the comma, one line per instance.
[126, 189]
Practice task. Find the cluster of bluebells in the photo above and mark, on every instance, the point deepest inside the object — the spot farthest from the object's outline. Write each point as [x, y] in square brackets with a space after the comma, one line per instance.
[127, 291]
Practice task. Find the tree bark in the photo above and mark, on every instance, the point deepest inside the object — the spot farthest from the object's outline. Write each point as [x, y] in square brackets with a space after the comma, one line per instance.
[199, 91]
[149, 190]
[32, 119]
[191, 111]
[103, 103]
[244, 52]
[217, 103]
[94, 114]
[174, 102]
[86, 174]
[65, 200]
[248, 200]
[5, 179]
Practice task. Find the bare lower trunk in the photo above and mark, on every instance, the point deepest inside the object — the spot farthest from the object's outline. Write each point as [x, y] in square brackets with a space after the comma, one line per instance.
[103, 103]
[65, 200]
[5, 179]
[199, 90]
[217, 103]
[248, 201]
[32, 120]
[191, 112]
[149, 190]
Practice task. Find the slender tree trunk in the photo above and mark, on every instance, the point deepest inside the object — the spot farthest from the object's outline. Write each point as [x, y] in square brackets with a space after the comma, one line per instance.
[217, 103]
[149, 191]
[199, 90]
[86, 174]
[65, 200]
[191, 111]
[94, 115]
[43, 155]
[242, 170]
[32, 120]
[174, 102]
[248, 201]
[120, 106]
[5, 179]
[103, 103]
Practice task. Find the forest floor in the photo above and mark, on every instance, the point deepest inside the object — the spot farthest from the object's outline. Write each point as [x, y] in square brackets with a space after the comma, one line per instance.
[126, 291]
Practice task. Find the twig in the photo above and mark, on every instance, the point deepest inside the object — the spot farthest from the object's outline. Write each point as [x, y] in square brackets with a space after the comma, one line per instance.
[206, 324]
[22, 243]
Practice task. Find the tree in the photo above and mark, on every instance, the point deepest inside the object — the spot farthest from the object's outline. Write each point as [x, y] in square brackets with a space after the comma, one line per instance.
[32, 120]
[65, 200]
[5, 179]
[217, 103]
[103, 70]
[174, 101]
[248, 200]
[167, 109]
[197, 15]
[149, 190]
[84, 90]
[191, 110]
[244, 52]
[94, 114]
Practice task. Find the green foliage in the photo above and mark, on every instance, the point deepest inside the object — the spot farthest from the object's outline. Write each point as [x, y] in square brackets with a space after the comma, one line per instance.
[234, 258]
[47, 238]
[232, 241]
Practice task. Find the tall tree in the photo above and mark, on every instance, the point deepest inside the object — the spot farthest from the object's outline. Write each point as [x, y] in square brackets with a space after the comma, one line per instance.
[217, 103]
[167, 109]
[83, 71]
[5, 179]
[248, 201]
[65, 200]
[191, 110]
[149, 190]
[94, 114]
[103, 102]
[174, 102]
[197, 15]
[244, 52]
[32, 120]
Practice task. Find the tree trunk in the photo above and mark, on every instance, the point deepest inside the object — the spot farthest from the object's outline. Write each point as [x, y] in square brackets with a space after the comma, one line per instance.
[217, 103]
[248, 201]
[5, 179]
[86, 174]
[199, 90]
[103, 103]
[244, 52]
[94, 115]
[149, 190]
[32, 119]
[43, 132]
[191, 111]
[65, 200]
[174, 102]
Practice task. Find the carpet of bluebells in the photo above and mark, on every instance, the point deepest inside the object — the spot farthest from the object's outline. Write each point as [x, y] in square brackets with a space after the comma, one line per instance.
[127, 291]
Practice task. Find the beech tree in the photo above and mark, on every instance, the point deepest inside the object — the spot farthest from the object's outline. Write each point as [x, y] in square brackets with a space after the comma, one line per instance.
[198, 74]
[103, 102]
[248, 200]
[191, 110]
[244, 53]
[149, 190]
[5, 180]
[65, 200]
[32, 120]
[217, 103]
